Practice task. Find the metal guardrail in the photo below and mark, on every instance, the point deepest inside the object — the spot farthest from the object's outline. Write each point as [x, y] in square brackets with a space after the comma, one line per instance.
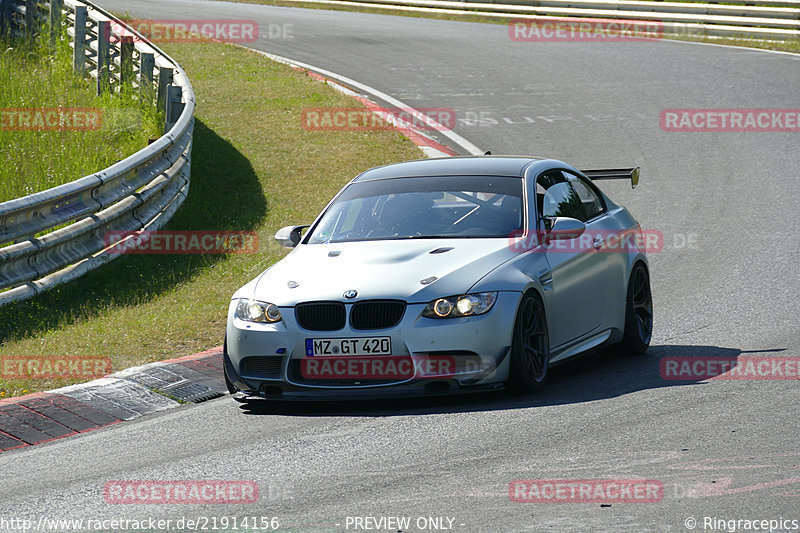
[56, 235]
[769, 19]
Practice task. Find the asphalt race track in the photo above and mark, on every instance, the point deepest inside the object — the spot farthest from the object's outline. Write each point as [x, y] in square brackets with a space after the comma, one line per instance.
[725, 284]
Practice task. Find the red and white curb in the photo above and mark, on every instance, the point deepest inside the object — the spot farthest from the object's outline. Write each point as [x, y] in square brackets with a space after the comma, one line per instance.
[429, 146]
[131, 393]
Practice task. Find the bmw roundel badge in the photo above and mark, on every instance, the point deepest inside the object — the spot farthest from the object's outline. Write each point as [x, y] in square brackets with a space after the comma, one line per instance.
[350, 294]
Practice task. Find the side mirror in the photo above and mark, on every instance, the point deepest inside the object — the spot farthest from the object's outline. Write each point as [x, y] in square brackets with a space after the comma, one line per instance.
[289, 236]
[564, 228]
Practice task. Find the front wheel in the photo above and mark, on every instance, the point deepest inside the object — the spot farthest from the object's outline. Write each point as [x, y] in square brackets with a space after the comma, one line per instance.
[530, 347]
[638, 312]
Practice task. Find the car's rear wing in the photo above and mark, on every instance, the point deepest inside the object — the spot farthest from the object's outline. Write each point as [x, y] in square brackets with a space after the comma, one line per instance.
[615, 174]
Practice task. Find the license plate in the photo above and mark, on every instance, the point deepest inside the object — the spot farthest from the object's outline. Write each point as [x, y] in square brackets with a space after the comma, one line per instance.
[349, 346]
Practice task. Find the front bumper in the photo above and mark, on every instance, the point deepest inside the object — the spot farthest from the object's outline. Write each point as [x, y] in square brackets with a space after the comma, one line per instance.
[470, 354]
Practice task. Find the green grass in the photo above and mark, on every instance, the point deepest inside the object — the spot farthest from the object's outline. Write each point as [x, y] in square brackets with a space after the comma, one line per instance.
[790, 45]
[254, 169]
[33, 75]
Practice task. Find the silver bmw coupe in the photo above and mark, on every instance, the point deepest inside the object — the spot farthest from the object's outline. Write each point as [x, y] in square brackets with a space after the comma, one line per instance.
[442, 276]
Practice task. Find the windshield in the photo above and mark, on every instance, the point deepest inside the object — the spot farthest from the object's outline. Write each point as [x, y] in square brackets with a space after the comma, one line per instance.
[423, 207]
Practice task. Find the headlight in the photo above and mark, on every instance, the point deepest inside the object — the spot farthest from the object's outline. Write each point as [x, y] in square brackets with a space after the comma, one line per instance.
[255, 311]
[456, 306]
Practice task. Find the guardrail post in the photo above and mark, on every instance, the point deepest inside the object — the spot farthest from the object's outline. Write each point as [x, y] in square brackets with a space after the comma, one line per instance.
[79, 45]
[147, 63]
[174, 106]
[126, 59]
[103, 56]
[55, 19]
[165, 75]
[31, 18]
[5, 6]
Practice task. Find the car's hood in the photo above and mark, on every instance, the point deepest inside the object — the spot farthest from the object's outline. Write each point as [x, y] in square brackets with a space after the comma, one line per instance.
[380, 269]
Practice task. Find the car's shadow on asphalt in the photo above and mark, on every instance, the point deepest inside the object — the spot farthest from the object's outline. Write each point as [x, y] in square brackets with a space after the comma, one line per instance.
[591, 377]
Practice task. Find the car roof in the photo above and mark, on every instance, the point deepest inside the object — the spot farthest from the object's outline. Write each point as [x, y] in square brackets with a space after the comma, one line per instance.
[452, 166]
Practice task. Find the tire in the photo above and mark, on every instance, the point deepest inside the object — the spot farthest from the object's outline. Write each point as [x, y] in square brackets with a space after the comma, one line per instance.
[530, 346]
[638, 312]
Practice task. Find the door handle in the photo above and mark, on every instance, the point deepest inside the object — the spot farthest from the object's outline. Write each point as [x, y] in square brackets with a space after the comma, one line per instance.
[598, 242]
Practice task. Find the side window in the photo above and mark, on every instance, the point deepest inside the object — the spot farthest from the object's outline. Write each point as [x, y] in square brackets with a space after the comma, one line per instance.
[557, 198]
[592, 203]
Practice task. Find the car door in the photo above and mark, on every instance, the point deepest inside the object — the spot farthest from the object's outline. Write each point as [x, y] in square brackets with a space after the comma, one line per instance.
[603, 233]
[576, 268]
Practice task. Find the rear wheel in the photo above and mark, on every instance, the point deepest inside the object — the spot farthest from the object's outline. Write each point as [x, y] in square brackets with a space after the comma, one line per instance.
[530, 347]
[638, 312]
